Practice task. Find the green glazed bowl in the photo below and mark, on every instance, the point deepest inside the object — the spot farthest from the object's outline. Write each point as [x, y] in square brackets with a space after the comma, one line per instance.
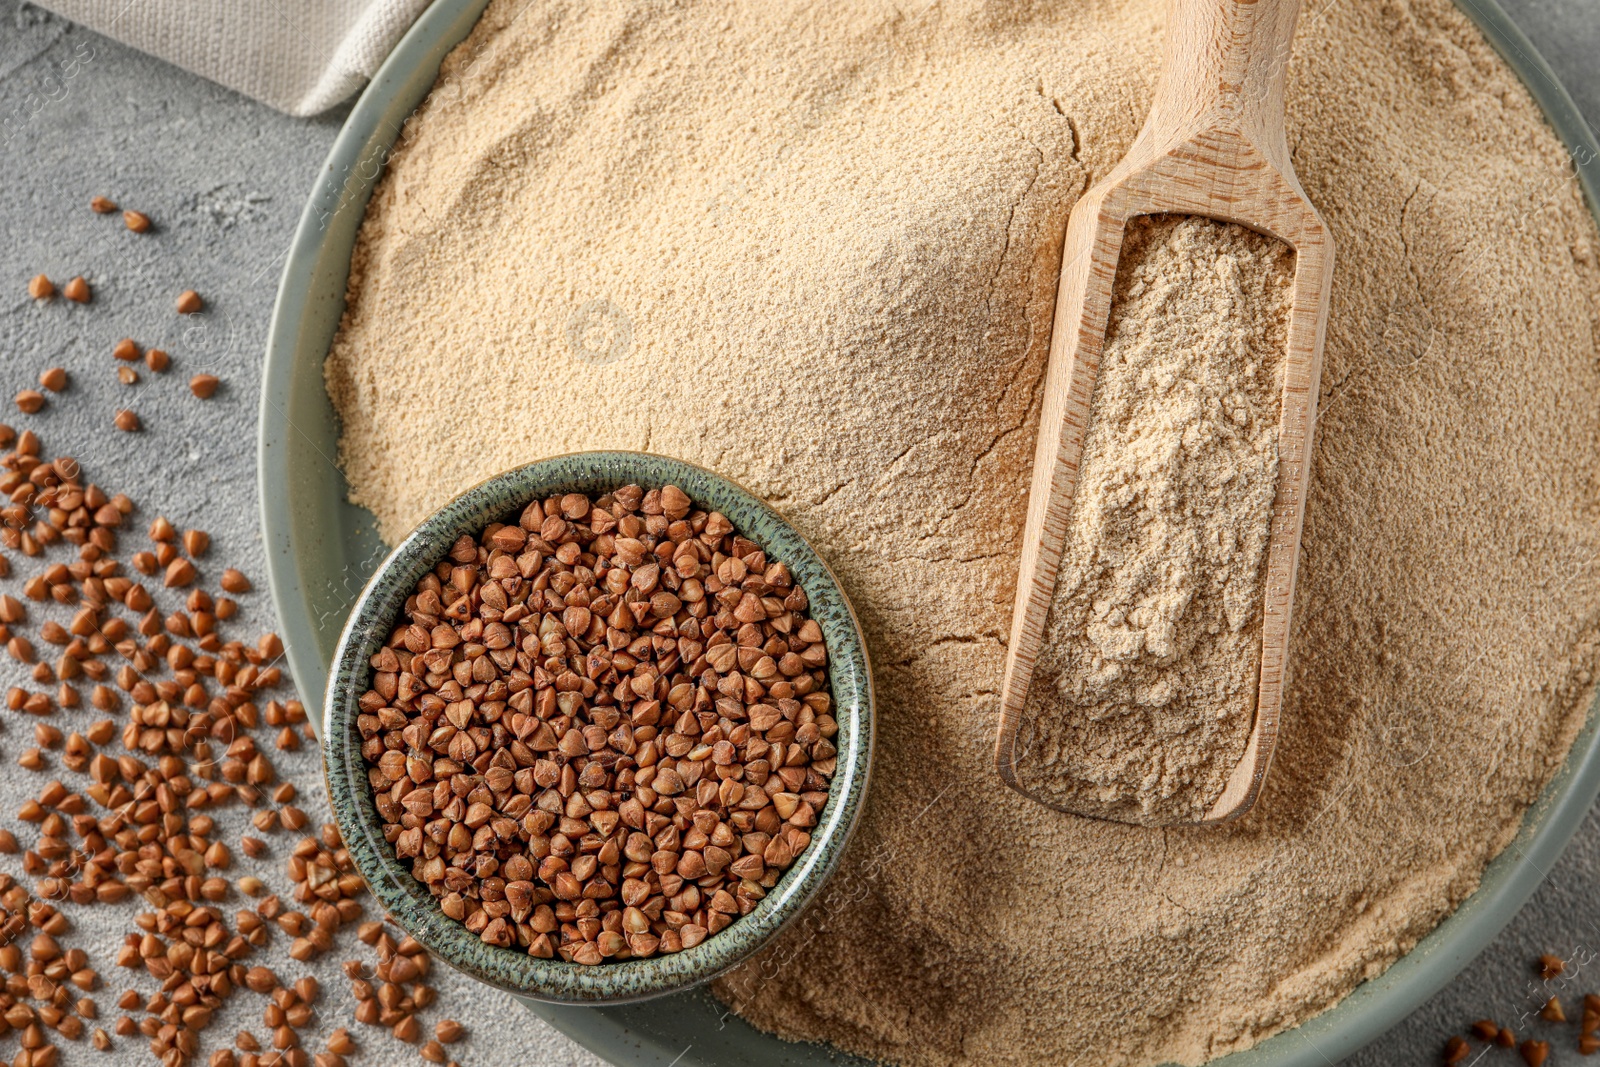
[500, 499]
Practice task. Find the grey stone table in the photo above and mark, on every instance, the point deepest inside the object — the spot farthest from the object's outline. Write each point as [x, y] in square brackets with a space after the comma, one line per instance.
[225, 178]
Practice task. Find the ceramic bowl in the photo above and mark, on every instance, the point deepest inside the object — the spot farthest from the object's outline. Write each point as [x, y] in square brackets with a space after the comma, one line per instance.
[500, 499]
[320, 548]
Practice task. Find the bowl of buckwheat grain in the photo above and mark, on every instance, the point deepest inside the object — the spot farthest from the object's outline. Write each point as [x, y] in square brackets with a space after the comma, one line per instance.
[599, 727]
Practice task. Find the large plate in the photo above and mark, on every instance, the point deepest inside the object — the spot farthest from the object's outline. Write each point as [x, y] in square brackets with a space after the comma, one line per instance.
[320, 551]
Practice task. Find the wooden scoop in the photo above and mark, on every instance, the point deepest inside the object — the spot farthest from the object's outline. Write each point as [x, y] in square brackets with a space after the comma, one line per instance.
[1213, 146]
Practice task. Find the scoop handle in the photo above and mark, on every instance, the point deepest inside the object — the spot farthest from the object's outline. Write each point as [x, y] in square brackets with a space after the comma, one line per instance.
[1224, 60]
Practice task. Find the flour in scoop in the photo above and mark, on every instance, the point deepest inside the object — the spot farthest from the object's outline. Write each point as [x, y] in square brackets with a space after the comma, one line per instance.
[1144, 693]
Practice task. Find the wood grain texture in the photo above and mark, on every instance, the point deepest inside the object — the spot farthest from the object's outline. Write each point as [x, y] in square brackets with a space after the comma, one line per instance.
[1213, 145]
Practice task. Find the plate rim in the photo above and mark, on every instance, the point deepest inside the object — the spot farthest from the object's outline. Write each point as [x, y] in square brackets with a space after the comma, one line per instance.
[1359, 1018]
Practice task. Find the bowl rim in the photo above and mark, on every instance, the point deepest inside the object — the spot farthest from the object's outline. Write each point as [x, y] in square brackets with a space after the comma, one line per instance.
[499, 498]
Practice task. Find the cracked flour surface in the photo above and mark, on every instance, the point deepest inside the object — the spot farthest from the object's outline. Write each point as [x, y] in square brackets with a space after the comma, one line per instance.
[813, 246]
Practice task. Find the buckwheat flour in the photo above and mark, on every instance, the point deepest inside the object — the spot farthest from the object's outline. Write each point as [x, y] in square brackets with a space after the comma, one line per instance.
[1144, 694]
[829, 233]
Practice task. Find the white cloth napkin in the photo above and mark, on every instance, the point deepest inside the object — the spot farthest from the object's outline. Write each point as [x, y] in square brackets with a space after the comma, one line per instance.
[299, 56]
